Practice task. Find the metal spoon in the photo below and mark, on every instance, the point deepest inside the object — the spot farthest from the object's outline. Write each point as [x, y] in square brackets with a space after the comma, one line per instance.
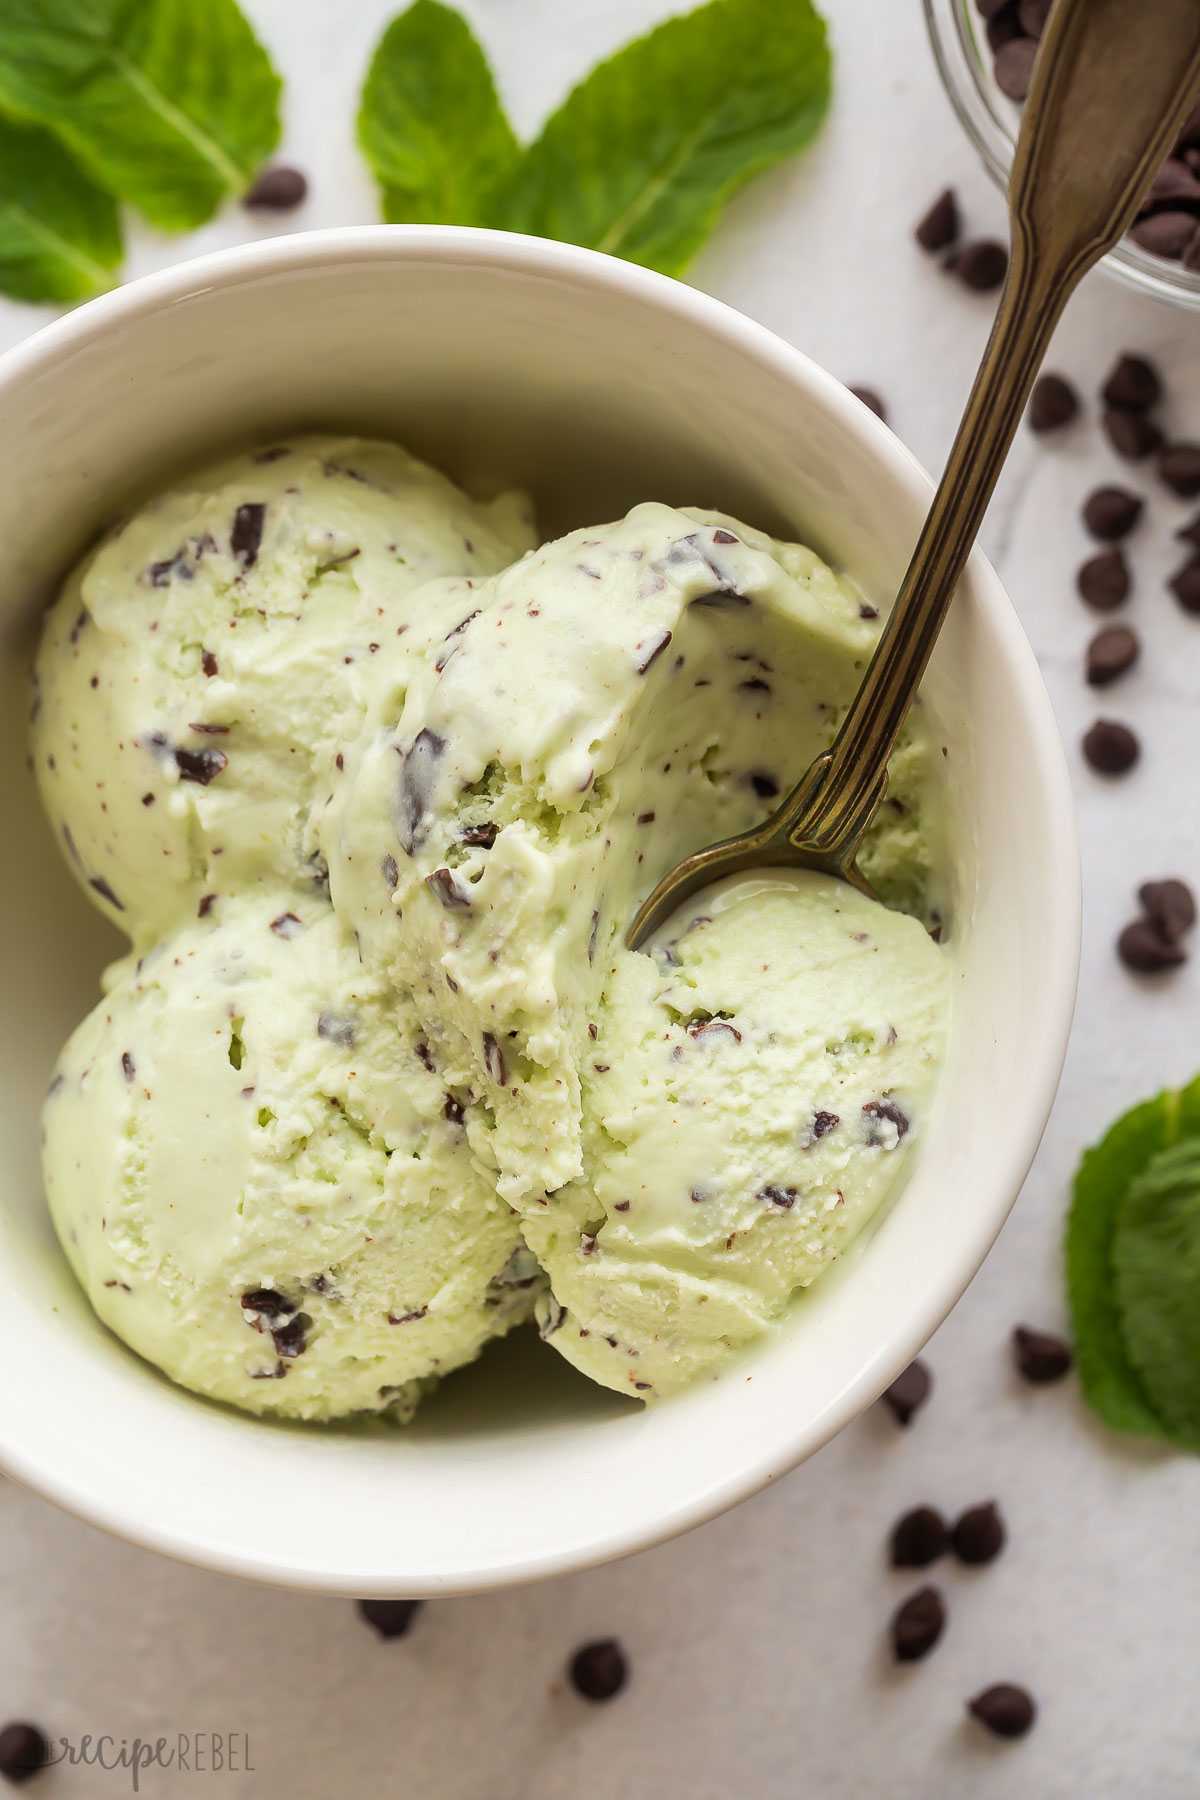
[1112, 85]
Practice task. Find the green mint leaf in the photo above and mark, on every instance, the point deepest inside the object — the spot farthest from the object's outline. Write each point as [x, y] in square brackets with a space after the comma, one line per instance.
[169, 104]
[60, 238]
[430, 124]
[1156, 1262]
[641, 157]
[1111, 1384]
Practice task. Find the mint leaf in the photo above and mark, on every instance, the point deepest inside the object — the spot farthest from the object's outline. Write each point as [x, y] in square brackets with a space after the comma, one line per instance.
[1156, 1261]
[60, 238]
[430, 124]
[641, 157]
[169, 104]
[1110, 1382]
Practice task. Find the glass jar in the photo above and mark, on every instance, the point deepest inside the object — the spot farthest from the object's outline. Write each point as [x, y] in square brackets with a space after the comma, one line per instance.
[990, 121]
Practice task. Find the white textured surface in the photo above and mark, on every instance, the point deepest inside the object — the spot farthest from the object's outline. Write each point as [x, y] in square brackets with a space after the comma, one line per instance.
[758, 1664]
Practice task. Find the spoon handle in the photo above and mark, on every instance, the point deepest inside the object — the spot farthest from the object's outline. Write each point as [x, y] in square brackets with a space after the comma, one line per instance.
[1112, 84]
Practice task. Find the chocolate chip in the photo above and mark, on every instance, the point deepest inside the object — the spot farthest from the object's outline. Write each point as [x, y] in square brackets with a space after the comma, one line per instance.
[1179, 467]
[451, 1108]
[1143, 948]
[493, 1059]
[246, 535]
[765, 786]
[1052, 404]
[160, 574]
[871, 401]
[705, 1027]
[1132, 435]
[101, 887]
[337, 1028]
[209, 663]
[981, 265]
[127, 1064]
[291, 1339]
[1110, 747]
[1110, 653]
[1033, 15]
[23, 1751]
[148, 799]
[1003, 27]
[1168, 234]
[418, 772]
[391, 1618]
[390, 872]
[1185, 585]
[784, 1198]
[277, 189]
[917, 1624]
[1170, 905]
[1190, 533]
[408, 1318]
[268, 1302]
[1111, 513]
[482, 836]
[205, 906]
[599, 1670]
[889, 1111]
[287, 925]
[978, 1536]
[1005, 1710]
[1013, 67]
[822, 1124]
[651, 650]
[909, 1392]
[448, 889]
[1133, 386]
[200, 765]
[755, 685]
[917, 1539]
[940, 226]
[1103, 580]
[1039, 1355]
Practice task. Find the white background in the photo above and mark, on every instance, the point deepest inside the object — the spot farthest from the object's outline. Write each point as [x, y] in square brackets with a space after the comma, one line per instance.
[757, 1643]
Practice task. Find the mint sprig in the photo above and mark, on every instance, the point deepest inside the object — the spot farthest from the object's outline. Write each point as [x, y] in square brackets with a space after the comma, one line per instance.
[170, 105]
[60, 237]
[1119, 1190]
[638, 160]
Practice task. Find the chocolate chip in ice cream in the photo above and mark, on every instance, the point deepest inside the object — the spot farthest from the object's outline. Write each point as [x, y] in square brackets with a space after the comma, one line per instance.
[23, 1751]
[782, 1197]
[480, 837]
[1134, 385]
[917, 1624]
[291, 1338]
[1053, 404]
[882, 1111]
[917, 1539]
[1004, 1710]
[201, 766]
[449, 890]
[1110, 747]
[287, 925]
[1103, 580]
[1040, 1356]
[909, 1392]
[209, 663]
[1110, 653]
[493, 1059]
[599, 1670]
[390, 1618]
[418, 772]
[268, 1303]
[1111, 513]
[939, 228]
[648, 653]
[246, 535]
[277, 189]
[100, 886]
[127, 1065]
[978, 1536]
[338, 1028]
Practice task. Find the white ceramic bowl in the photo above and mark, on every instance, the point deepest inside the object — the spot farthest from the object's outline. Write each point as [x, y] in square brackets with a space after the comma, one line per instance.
[598, 385]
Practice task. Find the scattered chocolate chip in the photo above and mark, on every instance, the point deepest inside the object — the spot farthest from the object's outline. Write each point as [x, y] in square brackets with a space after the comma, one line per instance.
[981, 265]
[646, 818]
[1168, 234]
[127, 1065]
[268, 1302]
[979, 1535]
[390, 871]
[1170, 905]
[205, 906]
[917, 1624]
[451, 1108]
[1110, 653]
[917, 1539]
[418, 772]
[277, 189]
[940, 226]
[650, 651]
[449, 890]
[209, 663]
[493, 1059]
[287, 925]
[407, 1318]
[822, 1124]
[246, 535]
[1039, 1355]
[1013, 67]
[1143, 948]
[755, 685]
[148, 799]
[101, 887]
[1112, 512]
[291, 1339]
[23, 1751]
[337, 1029]
[1185, 585]
[1005, 1710]
[785, 1198]
[599, 1670]
[705, 1027]
[1179, 467]
[200, 765]
[885, 1110]
[391, 1618]
[909, 1392]
[1110, 747]
[1103, 580]
[765, 786]
[871, 401]
[84, 618]
[1132, 435]
[1053, 403]
[160, 574]
[867, 611]
[481, 836]
[1133, 386]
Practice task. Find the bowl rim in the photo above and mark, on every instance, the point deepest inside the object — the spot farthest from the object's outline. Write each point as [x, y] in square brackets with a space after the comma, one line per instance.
[1061, 919]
